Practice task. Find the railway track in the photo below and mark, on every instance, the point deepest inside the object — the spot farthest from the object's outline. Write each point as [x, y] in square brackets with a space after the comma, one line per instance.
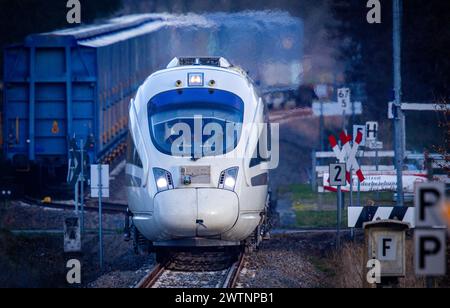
[172, 274]
[90, 206]
[284, 116]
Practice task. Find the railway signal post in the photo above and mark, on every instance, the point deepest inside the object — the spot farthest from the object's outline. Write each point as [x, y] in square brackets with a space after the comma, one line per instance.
[399, 118]
[76, 176]
[72, 235]
[344, 99]
[358, 129]
[338, 178]
[81, 182]
[430, 236]
[74, 170]
[385, 243]
[346, 155]
[100, 189]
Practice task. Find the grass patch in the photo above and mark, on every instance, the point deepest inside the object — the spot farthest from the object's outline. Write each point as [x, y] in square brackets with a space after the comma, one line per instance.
[319, 219]
[322, 265]
[304, 194]
[314, 210]
[298, 206]
[351, 272]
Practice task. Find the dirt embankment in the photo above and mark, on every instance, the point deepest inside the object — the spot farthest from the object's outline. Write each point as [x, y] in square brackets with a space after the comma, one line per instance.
[351, 272]
[31, 248]
[290, 261]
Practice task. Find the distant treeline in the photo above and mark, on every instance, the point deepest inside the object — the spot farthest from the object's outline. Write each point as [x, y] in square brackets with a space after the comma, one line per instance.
[425, 53]
[18, 18]
[362, 50]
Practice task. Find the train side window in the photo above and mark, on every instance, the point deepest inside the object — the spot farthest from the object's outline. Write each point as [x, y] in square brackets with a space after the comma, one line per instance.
[268, 128]
[132, 154]
[264, 145]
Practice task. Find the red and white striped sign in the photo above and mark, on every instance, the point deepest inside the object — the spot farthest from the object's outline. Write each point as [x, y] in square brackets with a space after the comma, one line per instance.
[347, 154]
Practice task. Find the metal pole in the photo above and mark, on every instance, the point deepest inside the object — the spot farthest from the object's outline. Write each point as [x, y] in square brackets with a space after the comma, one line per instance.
[359, 193]
[82, 185]
[339, 213]
[322, 148]
[352, 230]
[351, 188]
[100, 220]
[377, 162]
[76, 198]
[322, 127]
[313, 173]
[398, 121]
[353, 114]
[344, 120]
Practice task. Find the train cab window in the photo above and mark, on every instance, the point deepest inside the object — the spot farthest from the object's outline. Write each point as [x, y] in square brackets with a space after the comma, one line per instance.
[132, 154]
[196, 122]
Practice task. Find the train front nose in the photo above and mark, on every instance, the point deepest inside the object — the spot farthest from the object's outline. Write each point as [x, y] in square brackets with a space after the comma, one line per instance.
[187, 213]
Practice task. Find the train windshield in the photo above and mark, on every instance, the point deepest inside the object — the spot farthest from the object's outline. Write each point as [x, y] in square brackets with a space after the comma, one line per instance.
[196, 122]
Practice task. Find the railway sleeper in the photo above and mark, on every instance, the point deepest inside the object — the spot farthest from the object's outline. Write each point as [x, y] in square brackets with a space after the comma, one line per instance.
[199, 260]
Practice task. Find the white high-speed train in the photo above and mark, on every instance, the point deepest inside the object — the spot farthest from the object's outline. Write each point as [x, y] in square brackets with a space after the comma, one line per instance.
[198, 151]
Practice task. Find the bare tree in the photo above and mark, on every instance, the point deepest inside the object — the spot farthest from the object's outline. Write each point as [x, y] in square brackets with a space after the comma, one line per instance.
[443, 148]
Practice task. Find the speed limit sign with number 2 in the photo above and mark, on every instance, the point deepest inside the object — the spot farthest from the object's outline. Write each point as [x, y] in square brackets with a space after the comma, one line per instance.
[338, 174]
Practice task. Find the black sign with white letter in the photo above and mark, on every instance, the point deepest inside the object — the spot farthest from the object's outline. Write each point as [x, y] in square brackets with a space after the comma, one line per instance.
[430, 235]
[429, 200]
[430, 256]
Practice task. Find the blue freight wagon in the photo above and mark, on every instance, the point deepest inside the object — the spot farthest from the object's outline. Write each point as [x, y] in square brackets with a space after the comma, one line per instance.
[73, 83]
[77, 83]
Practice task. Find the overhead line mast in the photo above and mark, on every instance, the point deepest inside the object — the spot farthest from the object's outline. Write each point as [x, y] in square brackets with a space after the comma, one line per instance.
[399, 119]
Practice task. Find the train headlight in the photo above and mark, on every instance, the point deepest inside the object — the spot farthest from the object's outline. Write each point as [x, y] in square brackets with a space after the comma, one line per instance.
[228, 179]
[196, 79]
[230, 182]
[162, 183]
[163, 179]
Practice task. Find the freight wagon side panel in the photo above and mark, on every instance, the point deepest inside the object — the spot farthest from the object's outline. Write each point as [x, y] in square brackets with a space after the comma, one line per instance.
[49, 96]
[122, 68]
[16, 101]
[115, 92]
